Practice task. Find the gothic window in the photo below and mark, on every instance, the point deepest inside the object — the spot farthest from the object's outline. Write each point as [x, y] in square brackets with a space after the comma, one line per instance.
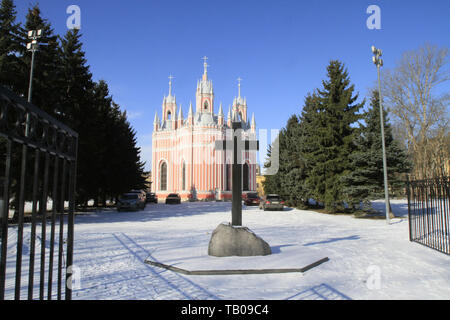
[169, 115]
[206, 105]
[183, 177]
[245, 177]
[163, 177]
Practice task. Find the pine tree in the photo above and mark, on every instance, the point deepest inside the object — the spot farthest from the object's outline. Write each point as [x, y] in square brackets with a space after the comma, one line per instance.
[307, 144]
[116, 148]
[292, 164]
[11, 46]
[129, 173]
[333, 137]
[366, 181]
[272, 181]
[78, 109]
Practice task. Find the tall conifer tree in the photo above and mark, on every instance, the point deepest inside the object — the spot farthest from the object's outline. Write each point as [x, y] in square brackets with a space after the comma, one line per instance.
[79, 111]
[11, 46]
[366, 180]
[333, 136]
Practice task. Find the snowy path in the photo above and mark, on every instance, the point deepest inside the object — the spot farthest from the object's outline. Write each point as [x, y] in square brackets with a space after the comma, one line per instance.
[110, 249]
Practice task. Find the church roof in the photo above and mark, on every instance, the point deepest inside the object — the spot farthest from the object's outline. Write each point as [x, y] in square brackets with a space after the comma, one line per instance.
[204, 119]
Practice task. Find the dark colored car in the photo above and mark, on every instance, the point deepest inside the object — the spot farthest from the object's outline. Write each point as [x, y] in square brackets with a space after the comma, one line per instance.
[131, 201]
[152, 197]
[271, 202]
[173, 198]
[251, 199]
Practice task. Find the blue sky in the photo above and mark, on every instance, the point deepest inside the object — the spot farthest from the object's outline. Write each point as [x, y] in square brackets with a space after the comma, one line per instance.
[279, 48]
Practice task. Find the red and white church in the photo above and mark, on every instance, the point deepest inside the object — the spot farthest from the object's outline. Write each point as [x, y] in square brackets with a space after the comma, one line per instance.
[184, 157]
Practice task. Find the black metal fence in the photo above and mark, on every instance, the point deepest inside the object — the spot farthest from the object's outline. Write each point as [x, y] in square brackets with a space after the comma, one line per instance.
[428, 212]
[37, 182]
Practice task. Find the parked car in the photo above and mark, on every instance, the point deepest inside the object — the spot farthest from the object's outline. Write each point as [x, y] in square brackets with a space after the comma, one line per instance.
[131, 201]
[271, 202]
[251, 199]
[173, 198]
[139, 191]
[151, 197]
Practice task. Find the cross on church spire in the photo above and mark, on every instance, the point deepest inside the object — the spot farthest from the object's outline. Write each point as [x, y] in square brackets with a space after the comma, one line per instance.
[205, 65]
[170, 84]
[239, 85]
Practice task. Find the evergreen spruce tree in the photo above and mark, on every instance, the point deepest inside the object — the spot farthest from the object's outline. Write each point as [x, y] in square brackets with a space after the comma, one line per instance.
[79, 111]
[117, 148]
[287, 181]
[272, 181]
[307, 144]
[130, 172]
[333, 136]
[292, 164]
[366, 180]
[11, 46]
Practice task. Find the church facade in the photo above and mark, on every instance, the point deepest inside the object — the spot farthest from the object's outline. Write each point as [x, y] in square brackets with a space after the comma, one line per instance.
[184, 157]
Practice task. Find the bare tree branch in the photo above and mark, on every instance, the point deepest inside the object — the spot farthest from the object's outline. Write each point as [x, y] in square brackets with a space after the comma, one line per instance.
[415, 93]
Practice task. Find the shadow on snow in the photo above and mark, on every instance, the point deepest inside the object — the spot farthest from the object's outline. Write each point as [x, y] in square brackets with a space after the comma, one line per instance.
[155, 212]
[320, 292]
[355, 237]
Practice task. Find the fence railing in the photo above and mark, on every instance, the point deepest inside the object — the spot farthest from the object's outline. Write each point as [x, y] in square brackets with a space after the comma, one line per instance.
[37, 181]
[428, 212]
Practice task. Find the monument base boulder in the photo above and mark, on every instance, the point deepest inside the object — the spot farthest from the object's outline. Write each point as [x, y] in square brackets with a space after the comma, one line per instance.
[228, 240]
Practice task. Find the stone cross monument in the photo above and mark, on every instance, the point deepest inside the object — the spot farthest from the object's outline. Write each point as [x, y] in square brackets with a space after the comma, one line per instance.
[237, 145]
[233, 239]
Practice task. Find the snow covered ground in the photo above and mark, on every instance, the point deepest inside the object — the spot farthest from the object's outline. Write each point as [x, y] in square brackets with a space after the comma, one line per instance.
[368, 258]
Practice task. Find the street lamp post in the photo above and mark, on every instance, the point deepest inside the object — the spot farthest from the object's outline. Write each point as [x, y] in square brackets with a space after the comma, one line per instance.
[18, 213]
[32, 46]
[379, 63]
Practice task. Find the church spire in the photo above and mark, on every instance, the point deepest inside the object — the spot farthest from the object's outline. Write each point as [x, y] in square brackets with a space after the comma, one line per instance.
[170, 85]
[156, 122]
[220, 116]
[205, 93]
[191, 113]
[253, 123]
[205, 66]
[239, 86]
[190, 118]
[180, 114]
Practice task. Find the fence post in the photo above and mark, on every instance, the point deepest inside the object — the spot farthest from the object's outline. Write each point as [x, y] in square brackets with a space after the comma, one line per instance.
[408, 192]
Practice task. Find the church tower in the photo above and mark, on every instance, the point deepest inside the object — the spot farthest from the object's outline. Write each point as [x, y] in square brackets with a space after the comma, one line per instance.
[169, 108]
[240, 104]
[205, 95]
